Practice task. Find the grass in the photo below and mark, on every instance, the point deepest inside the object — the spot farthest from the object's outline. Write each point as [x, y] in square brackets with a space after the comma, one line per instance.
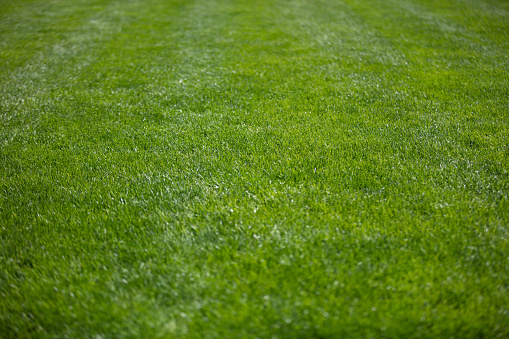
[270, 168]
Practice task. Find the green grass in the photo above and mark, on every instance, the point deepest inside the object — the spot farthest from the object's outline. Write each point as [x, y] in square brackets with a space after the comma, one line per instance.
[269, 168]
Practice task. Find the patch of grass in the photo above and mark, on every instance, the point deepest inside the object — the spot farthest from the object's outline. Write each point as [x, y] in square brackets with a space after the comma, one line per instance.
[254, 168]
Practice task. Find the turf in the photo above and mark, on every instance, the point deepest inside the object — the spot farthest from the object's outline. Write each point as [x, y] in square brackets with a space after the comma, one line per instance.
[269, 168]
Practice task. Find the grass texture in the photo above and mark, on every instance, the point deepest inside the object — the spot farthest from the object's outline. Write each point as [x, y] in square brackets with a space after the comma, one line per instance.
[269, 168]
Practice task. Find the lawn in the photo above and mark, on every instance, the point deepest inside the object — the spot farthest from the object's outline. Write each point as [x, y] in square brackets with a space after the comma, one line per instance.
[268, 168]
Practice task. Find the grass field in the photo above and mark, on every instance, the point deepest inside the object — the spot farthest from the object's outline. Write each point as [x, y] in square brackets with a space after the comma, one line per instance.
[268, 168]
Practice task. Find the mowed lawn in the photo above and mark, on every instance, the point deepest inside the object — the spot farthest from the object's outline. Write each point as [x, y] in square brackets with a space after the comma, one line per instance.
[268, 168]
